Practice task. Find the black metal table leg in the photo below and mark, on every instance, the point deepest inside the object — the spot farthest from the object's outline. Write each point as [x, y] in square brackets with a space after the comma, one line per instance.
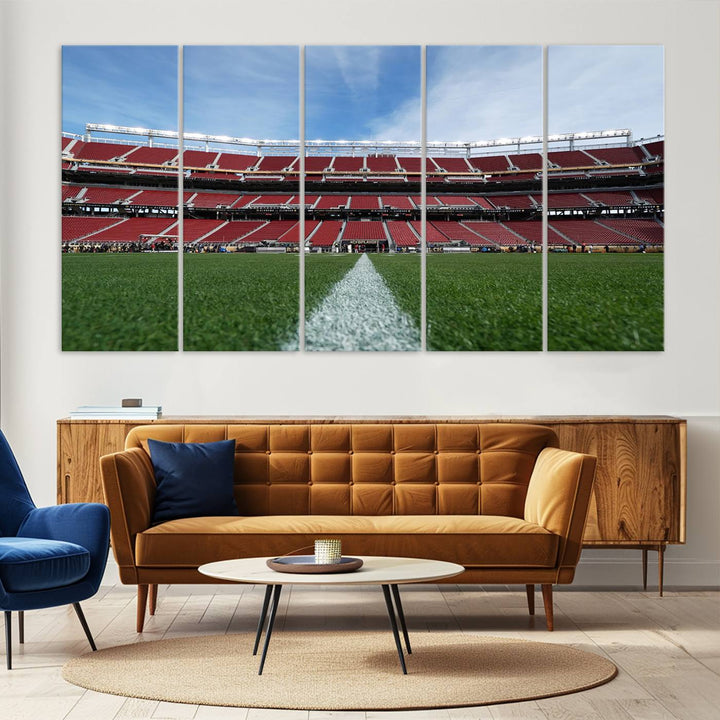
[393, 624]
[401, 616]
[271, 622]
[263, 615]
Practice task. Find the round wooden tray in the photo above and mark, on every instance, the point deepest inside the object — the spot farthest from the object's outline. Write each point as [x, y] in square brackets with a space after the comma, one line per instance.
[307, 564]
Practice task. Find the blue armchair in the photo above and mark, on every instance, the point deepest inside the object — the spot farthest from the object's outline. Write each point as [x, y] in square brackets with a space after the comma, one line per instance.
[48, 556]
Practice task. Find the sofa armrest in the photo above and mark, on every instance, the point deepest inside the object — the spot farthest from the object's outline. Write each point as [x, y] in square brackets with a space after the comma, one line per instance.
[558, 499]
[129, 487]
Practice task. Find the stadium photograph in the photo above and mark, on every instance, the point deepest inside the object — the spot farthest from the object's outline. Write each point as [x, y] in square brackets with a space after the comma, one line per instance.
[309, 221]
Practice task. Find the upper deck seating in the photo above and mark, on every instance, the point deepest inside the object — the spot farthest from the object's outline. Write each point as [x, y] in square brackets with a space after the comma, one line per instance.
[152, 155]
[317, 164]
[489, 164]
[199, 158]
[656, 149]
[276, 163]
[452, 164]
[381, 163]
[570, 158]
[234, 161]
[100, 151]
[527, 161]
[343, 164]
[619, 155]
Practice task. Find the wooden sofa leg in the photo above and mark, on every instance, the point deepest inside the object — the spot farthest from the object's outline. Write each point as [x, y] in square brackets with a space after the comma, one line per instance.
[547, 593]
[152, 597]
[530, 590]
[142, 596]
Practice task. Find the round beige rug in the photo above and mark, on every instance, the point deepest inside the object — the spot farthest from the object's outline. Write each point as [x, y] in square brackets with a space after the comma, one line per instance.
[335, 671]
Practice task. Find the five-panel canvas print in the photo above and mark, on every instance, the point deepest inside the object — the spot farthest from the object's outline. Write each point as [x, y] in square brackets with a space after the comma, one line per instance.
[362, 198]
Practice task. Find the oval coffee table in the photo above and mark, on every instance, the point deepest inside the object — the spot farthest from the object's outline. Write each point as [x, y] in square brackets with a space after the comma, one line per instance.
[388, 572]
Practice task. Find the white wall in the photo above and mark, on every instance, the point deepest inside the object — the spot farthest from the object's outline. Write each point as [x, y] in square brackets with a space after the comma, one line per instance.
[40, 383]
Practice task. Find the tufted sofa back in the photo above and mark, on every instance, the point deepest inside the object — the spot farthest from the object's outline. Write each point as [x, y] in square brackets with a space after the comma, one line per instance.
[373, 469]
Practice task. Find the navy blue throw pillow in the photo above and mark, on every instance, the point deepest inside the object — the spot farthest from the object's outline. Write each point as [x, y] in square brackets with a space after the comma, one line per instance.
[193, 479]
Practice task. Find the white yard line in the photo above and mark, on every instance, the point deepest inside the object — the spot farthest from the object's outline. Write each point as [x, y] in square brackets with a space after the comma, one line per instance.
[360, 313]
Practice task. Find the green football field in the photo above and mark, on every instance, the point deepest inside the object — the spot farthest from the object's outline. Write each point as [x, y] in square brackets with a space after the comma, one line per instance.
[478, 301]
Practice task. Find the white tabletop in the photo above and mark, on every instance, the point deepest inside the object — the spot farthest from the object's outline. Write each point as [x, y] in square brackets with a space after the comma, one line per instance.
[375, 571]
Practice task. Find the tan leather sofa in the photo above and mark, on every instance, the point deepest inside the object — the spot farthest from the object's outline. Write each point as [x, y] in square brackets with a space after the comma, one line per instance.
[500, 499]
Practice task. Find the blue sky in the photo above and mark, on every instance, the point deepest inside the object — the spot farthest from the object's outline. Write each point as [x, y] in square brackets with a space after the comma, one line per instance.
[121, 85]
[599, 87]
[366, 92]
[362, 93]
[483, 92]
[242, 91]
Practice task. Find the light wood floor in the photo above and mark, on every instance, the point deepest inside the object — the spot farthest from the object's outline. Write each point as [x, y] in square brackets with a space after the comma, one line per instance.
[667, 649]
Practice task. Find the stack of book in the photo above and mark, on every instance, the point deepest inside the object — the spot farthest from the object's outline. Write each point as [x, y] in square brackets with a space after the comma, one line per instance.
[116, 412]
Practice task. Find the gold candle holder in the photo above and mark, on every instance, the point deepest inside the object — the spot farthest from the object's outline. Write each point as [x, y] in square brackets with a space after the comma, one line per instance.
[328, 552]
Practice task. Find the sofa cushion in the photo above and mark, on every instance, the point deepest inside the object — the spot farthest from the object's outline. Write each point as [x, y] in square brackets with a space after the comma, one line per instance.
[470, 540]
[31, 564]
[193, 479]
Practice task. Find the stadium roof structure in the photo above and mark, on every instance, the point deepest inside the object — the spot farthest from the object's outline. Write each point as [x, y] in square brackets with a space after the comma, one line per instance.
[267, 146]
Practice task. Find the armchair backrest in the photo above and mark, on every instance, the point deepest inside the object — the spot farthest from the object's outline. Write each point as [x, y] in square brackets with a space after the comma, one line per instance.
[16, 501]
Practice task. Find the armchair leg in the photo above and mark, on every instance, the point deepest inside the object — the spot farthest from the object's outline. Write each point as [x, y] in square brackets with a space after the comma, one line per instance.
[530, 590]
[142, 597]
[547, 593]
[152, 598]
[83, 622]
[21, 626]
[8, 638]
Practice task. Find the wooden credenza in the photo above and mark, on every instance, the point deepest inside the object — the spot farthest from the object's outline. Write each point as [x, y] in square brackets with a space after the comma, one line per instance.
[640, 486]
